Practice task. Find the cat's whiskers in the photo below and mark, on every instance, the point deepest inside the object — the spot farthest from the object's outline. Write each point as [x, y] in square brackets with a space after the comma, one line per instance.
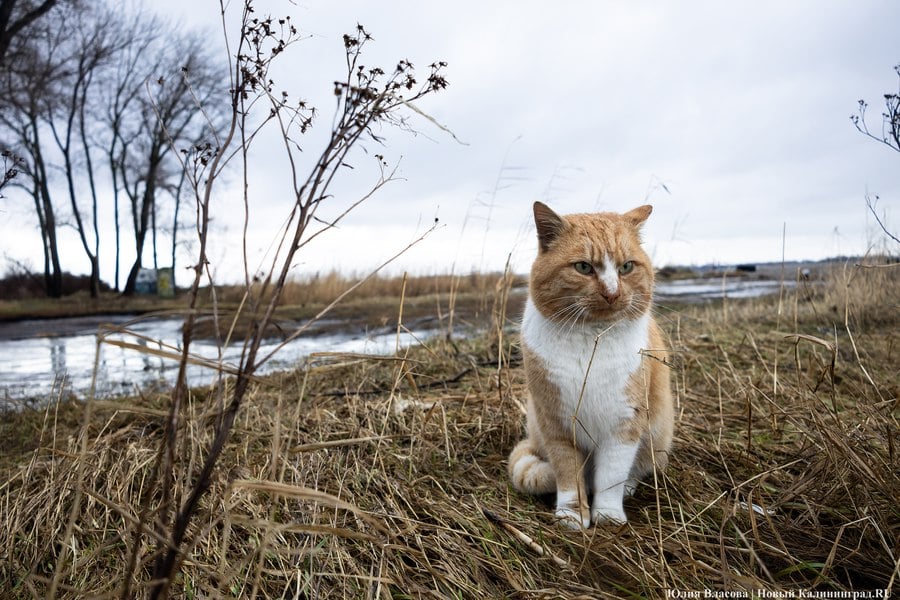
[574, 312]
[564, 313]
[568, 307]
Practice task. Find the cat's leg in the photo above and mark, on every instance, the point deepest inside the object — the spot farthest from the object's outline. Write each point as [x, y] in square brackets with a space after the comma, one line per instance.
[571, 496]
[652, 454]
[612, 466]
[642, 467]
[656, 441]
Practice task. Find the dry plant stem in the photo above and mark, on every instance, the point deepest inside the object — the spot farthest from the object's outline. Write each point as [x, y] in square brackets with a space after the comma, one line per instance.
[400, 315]
[165, 562]
[79, 479]
[850, 335]
[346, 132]
[214, 364]
[308, 197]
[524, 538]
[451, 303]
[356, 118]
[781, 277]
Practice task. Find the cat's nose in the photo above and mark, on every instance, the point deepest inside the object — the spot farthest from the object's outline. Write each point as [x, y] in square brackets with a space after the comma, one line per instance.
[610, 297]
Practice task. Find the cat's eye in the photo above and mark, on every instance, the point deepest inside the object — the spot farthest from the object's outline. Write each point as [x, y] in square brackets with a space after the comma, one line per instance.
[585, 268]
[626, 267]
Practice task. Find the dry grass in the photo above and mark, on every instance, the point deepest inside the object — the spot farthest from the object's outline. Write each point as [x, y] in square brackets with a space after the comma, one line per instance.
[445, 302]
[368, 477]
[323, 288]
[306, 293]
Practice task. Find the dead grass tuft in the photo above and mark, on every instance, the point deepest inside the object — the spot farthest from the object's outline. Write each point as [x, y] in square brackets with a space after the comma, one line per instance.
[385, 477]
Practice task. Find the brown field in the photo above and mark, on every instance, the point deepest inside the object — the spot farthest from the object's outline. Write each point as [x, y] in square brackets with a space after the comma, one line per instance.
[384, 477]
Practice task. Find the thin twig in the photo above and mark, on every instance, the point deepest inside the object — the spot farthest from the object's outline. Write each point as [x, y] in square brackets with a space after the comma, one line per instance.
[523, 537]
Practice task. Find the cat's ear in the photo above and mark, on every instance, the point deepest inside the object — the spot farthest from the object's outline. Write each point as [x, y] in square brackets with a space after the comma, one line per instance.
[549, 225]
[637, 216]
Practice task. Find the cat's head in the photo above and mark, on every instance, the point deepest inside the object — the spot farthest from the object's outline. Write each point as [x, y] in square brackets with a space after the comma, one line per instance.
[591, 267]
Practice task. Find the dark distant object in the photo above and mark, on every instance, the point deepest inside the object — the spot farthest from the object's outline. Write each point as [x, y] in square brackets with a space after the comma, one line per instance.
[165, 282]
[145, 283]
[155, 282]
[746, 268]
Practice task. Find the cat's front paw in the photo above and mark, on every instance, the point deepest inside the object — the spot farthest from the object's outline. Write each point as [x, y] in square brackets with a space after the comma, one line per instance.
[572, 519]
[608, 514]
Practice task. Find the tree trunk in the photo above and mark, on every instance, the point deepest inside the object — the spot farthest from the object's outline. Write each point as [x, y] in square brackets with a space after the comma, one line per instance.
[130, 282]
[153, 240]
[118, 236]
[54, 285]
[95, 219]
[45, 246]
[141, 222]
[175, 222]
[52, 270]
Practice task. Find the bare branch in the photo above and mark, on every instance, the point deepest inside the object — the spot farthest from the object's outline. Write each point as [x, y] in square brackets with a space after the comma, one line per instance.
[890, 119]
[10, 27]
[870, 204]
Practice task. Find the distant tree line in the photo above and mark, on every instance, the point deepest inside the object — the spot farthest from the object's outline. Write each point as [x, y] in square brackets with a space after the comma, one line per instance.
[97, 102]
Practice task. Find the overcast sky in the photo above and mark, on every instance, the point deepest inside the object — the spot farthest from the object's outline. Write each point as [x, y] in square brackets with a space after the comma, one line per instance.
[730, 118]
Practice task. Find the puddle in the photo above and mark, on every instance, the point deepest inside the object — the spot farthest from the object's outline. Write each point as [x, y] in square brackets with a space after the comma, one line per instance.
[709, 289]
[39, 369]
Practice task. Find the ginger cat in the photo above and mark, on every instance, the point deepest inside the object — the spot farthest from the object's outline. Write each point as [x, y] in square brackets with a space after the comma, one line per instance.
[600, 401]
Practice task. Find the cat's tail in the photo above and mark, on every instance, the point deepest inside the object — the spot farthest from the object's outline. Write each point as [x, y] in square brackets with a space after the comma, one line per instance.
[529, 471]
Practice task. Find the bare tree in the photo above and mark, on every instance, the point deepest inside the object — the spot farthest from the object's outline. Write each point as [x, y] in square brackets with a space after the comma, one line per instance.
[124, 88]
[88, 47]
[71, 47]
[182, 76]
[88, 80]
[38, 175]
[28, 89]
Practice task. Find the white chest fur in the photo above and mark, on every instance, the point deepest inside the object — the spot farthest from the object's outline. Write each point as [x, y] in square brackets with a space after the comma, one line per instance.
[590, 367]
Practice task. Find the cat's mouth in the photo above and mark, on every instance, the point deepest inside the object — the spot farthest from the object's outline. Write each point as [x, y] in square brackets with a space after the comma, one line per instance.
[600, 308]
[608, 314]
